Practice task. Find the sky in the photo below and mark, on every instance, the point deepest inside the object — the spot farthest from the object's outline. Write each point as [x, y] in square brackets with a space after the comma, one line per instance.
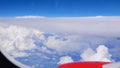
[59, 8]
[60, 31]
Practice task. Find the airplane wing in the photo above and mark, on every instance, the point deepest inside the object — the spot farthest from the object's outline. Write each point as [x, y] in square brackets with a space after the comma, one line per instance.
[83, 65]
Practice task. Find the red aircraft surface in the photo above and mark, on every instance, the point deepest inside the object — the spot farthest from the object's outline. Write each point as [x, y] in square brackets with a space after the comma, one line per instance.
[83, 65]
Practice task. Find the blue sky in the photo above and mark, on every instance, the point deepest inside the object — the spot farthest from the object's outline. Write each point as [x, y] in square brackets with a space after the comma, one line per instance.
[59, 8]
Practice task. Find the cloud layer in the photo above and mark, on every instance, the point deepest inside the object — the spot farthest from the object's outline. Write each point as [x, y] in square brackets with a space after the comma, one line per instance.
[60, 40]
[102, 25]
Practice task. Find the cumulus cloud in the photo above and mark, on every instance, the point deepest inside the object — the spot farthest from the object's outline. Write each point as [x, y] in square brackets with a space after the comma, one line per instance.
[17, 39]
[27, 17]
[101, 54]
[65, 59]
[66, 43]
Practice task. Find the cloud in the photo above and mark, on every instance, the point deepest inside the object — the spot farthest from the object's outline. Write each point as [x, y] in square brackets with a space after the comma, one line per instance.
[66, 43]
[15, 37]
[65, 59]
[99, 16]
[27, 17]
[55, 37]
[12, 59]
[101, 54]
[15, 40]
[115, 65]
[21, 42]
[98, 25]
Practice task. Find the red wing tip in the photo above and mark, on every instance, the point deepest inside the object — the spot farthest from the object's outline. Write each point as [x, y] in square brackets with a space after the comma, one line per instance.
[86, 64]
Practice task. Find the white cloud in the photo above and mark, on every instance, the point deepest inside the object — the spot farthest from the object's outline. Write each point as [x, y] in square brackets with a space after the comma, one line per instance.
[27, 17]
[70, 35]
[101, 54]
[66, 43]
[56, 44]
[111, 65]
[16, 54]
[12, 59]
[65, 59]
[16, 39]
[98, 25]
[99, 16]
[20, 38]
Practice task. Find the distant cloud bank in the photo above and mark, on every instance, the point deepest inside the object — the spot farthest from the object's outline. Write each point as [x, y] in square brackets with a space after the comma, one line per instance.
[97, 25]
[25, 17]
